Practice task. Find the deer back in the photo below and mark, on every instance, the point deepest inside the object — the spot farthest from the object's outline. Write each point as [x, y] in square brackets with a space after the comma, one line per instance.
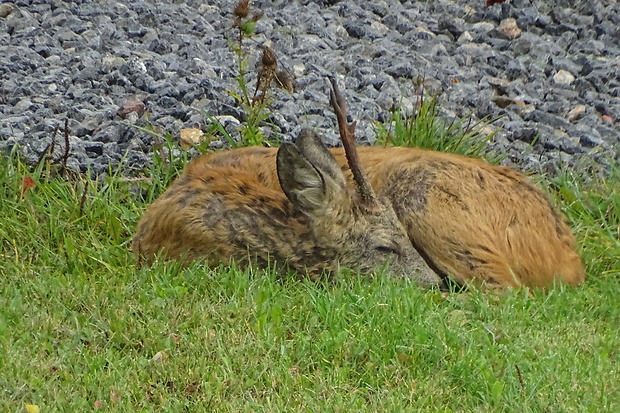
[475, 221]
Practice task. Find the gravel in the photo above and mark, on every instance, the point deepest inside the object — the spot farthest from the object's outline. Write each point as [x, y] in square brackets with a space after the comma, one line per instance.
[549, 70]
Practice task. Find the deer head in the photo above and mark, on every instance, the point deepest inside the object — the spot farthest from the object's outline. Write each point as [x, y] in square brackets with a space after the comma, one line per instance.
[361, 231]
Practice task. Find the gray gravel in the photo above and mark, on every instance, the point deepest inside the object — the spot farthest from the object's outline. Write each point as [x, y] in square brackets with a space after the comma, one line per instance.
[552, 73]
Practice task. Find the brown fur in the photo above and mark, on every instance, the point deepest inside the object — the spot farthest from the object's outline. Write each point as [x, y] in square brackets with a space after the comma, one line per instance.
[290, 207]
[471, 220]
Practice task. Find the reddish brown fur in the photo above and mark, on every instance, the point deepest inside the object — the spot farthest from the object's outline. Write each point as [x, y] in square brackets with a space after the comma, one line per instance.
[479, 221]
[472, 220]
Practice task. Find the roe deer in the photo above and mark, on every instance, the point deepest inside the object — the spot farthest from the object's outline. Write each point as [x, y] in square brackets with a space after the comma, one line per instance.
[296, 212]
[470, 220]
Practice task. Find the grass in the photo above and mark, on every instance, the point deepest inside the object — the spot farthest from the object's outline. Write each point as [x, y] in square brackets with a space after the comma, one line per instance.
[83, 328]
[424, 128]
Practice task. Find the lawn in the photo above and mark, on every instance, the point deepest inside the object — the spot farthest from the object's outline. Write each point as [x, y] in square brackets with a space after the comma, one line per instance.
[82, 327]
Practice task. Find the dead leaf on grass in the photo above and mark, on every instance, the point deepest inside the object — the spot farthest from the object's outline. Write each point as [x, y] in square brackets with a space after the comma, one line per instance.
[191, 137]
[27, 184]
[159, 356]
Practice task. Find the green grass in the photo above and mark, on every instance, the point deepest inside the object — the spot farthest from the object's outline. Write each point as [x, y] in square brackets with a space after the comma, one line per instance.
[593, 209]
[424, 128]
[81, 325]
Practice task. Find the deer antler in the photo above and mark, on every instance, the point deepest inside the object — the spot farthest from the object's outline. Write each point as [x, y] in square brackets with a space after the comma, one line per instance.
[347, 136]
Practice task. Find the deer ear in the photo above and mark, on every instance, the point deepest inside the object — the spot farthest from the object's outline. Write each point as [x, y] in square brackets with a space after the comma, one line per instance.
[315, 151]
[310, 187]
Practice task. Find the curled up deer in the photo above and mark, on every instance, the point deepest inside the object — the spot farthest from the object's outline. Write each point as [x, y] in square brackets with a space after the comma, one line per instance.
[416, 213]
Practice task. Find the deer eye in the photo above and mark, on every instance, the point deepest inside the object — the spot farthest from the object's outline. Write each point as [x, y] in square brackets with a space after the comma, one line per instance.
[384, 249]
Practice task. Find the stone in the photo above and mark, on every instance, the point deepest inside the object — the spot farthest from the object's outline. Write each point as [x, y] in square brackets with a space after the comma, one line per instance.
[576, 113]
[563, 77]
[509, 28]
